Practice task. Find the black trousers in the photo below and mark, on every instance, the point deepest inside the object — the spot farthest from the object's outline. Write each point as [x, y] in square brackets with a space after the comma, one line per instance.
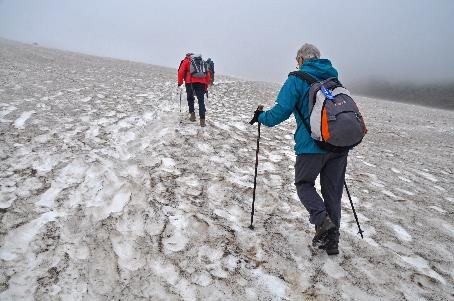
[331, 167]
[199, 90]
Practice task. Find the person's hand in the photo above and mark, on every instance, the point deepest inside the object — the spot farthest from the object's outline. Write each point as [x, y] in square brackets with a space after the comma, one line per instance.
[257, 114]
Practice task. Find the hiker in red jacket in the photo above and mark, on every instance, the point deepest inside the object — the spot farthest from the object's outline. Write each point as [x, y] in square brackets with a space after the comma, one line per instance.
[194, 72]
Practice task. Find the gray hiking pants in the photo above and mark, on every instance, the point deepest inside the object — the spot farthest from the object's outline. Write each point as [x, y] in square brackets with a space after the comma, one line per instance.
[331, 167]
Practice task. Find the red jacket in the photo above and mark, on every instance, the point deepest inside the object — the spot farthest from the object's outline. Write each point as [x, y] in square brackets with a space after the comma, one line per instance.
[184, 73]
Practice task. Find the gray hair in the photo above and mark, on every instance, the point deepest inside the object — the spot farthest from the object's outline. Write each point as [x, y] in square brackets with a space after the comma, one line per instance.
[308, 52]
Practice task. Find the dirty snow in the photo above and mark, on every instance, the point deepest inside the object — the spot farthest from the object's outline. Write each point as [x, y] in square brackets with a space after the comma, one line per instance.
[107, 192]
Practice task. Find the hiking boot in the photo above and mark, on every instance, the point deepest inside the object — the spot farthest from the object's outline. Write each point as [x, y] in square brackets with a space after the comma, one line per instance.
[332, 247]
[332, 244]
[320, 241]
[321, 232]
[192, 117]
[202, 122]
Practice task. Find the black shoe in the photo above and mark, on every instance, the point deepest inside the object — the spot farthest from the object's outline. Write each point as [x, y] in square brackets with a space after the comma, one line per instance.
[320, 241]
[332, 248]
[332, 244]
[321, 232]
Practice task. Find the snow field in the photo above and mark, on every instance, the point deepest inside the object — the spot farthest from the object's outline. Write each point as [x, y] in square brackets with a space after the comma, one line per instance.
[105, 194]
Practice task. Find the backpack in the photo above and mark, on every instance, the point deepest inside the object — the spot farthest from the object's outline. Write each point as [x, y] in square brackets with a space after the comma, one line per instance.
[198, 67]
[335, 122]
[210, 64]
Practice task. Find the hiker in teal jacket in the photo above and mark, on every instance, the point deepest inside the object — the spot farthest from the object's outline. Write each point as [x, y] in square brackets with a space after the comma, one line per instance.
[295, 93]
[311, 160]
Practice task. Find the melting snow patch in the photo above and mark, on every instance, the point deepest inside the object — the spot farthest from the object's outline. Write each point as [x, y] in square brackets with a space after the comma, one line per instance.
[119, 201]
[390, 194]
[423, 266]
[86, 99]
[6, 199]
[275, 158]
[439, 188]
[128, 254]
[449, 228]
[202, 279]
[267, 166]
[44, 163]
[402, 234]
[166, 271]
[405, 180]
[20, 122]
[437, 209]
[333, 269]
[17, 240]
[205, 147]
[47, 199]
[427, 175]
[167, 164]
[150, 115]
[404, 191]
[271, 283]
[6, 111]
[71, 174]
[242, 180]
[377, 184]
[239, 125]
[178, 240]
[369, 164]
[351, 292]
[222, 126]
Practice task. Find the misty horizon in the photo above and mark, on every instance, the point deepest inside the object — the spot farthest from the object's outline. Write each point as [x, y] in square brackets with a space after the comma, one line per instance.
[367, 41]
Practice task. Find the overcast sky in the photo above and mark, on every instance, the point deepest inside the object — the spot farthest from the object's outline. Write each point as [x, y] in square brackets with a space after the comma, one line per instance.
[393, 39]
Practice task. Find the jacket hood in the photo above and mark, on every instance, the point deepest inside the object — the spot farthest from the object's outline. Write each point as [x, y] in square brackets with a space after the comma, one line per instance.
[320, 68]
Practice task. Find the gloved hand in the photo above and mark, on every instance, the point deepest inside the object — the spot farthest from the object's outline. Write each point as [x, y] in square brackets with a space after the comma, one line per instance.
[257, 114]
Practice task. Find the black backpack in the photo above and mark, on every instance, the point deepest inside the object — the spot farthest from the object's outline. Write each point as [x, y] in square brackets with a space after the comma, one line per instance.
[198, 67]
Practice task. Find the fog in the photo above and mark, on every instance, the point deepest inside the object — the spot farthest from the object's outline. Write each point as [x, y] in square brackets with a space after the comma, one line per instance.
[403, 40]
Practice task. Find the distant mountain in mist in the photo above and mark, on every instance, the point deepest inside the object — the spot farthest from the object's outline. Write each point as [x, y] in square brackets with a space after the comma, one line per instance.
[440, 95]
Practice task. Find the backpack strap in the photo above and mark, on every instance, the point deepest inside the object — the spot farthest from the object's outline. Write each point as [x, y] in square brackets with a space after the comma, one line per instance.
[304, 76]
[310, 80]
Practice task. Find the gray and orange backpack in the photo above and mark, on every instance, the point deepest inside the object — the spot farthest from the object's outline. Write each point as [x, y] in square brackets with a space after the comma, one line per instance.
[335, 122]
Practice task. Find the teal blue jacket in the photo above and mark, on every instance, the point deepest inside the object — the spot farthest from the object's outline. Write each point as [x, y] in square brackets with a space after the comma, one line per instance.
[295, 92]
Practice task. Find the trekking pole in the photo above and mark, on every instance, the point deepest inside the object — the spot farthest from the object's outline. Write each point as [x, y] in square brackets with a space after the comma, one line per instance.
[255, 175]
[354, 212]
[180, 107]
